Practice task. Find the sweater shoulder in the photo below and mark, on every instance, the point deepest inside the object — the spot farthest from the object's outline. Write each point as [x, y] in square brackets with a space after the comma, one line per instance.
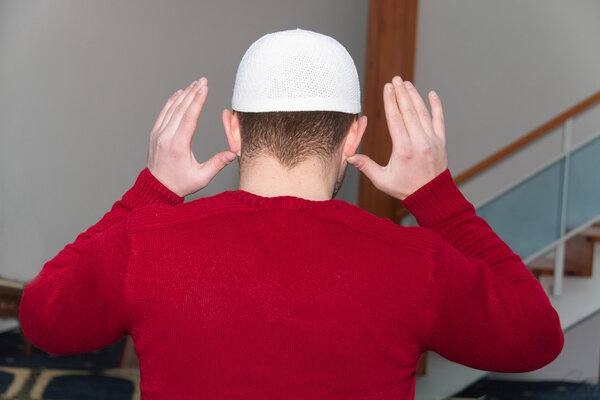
[413, 239]
[157, 216]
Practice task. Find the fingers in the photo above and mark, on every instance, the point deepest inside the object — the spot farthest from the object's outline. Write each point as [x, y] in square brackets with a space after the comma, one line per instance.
[189, 119]
[183, 109]
[420, 107]
[175, 104]
[166, 107]
[437, 116]
[394, 117]
[414, 128]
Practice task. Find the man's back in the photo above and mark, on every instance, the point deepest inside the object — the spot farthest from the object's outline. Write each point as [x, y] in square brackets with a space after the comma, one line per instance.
[242, 296]
[277, 298]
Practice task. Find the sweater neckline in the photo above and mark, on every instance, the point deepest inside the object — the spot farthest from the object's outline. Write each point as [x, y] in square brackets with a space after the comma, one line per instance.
[284, 202]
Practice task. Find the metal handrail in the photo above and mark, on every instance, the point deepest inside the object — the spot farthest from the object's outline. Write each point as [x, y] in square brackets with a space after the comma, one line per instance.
[536, 171]
[532, 136]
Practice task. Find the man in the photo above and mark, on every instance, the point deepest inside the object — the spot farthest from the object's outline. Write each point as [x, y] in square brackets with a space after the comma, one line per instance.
[275, 290]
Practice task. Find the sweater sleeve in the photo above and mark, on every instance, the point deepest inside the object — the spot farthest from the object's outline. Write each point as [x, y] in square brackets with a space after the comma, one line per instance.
[76, 303]
[489, 311]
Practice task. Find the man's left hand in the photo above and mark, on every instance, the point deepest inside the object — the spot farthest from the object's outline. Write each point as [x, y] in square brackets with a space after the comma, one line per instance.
[170, 156]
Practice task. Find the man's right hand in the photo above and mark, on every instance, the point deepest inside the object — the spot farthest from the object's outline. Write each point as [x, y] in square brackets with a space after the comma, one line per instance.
[418, 142]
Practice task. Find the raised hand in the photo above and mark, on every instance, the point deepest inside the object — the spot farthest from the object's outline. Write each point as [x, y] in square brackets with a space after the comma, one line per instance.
[418, 142]
[170, 156]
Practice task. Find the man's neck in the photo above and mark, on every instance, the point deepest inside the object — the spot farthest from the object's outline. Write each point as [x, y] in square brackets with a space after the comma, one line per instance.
[266, 177]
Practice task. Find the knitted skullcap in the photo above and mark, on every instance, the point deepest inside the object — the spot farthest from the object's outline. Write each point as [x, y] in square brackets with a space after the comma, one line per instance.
[296, 70]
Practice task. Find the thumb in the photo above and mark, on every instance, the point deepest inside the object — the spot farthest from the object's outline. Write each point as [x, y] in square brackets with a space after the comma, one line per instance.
[373, 171]
[213, 165]
[365, 165]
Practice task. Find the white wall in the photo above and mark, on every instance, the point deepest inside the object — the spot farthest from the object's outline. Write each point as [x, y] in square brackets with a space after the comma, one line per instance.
[81, 85]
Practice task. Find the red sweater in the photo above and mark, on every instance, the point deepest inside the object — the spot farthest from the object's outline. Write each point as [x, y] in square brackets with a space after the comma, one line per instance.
[245, 297]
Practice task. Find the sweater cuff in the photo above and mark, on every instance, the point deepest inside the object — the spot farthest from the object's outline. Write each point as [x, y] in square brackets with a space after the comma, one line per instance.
[148, 190]
[437, 201]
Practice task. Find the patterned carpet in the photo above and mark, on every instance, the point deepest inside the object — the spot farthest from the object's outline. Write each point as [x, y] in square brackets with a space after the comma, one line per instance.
[95, 376]
[490, 389]
[90, 376]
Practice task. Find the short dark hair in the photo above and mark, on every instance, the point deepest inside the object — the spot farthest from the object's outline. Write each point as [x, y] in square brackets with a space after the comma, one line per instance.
[293, 136]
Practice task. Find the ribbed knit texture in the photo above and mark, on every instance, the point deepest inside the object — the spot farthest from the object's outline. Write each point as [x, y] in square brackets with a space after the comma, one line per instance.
[237, 296]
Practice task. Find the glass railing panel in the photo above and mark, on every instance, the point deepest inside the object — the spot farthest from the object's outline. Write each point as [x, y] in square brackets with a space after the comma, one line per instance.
[583, 200]
[527, 217]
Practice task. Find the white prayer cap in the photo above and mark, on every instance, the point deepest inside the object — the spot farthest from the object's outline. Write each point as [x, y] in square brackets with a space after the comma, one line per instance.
[296, 70]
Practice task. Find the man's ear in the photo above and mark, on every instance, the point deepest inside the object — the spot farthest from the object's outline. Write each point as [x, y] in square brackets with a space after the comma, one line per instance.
[231, 123]
[354, 136]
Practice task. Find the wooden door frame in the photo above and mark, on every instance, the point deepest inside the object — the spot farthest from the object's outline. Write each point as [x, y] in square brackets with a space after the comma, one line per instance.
[391, 40]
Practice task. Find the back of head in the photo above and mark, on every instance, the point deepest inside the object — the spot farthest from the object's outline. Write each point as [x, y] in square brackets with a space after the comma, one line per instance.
[296, 94]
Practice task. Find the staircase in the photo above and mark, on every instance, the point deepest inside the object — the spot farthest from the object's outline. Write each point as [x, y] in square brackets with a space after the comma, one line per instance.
[579, 253]
[551, 218]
